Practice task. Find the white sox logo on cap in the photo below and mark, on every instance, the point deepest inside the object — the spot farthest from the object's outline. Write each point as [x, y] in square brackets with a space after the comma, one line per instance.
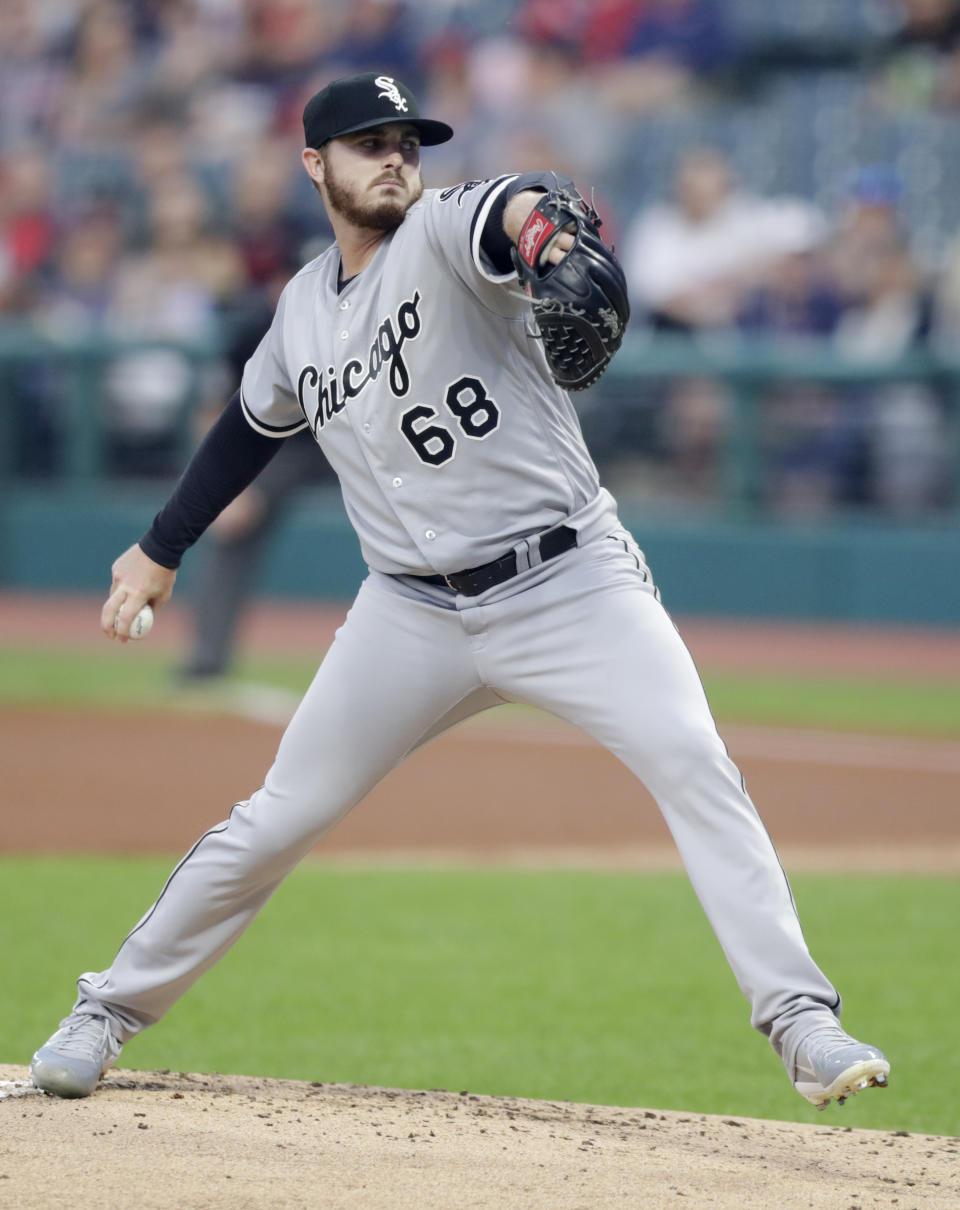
[360, 102]
[388, 89]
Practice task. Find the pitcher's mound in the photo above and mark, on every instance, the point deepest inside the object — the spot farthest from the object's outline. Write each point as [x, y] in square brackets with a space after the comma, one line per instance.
[163, 1141]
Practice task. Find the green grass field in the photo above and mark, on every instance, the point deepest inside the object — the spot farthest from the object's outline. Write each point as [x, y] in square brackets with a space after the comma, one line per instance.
[564, 985]
[567, 985]
[108, 677]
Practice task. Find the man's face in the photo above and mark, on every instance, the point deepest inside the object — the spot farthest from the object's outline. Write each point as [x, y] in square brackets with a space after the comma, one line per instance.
[703, 184]
[372, 178]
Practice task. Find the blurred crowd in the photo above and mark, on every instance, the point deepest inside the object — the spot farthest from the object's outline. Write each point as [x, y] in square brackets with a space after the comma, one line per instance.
[719, 264]
[150, 187]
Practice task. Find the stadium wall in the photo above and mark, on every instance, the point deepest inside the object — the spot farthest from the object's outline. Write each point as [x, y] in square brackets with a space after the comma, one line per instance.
[65, 541]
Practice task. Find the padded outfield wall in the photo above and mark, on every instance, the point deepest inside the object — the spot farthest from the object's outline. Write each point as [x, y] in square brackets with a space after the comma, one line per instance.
[62, 532]
[869, 573]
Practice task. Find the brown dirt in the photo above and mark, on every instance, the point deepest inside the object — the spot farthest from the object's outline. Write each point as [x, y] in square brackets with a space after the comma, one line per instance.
[488, 790]
[506, 785]
[735, 644]
[511, 790]
[159, 1140]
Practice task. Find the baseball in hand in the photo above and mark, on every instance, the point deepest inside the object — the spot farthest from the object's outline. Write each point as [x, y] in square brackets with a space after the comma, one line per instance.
[142, 624]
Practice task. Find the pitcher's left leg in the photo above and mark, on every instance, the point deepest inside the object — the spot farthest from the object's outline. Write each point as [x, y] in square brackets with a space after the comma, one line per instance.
[602, 653]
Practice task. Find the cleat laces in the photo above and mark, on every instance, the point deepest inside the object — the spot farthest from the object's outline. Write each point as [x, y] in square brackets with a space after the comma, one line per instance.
[81, 1035]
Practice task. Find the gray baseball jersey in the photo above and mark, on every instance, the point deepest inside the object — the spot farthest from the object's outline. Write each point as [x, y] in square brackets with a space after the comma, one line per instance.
[425, 388]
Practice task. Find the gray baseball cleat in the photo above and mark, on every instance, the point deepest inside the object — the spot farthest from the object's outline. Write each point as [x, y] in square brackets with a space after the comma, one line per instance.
[71, 1063]
[830, 1064]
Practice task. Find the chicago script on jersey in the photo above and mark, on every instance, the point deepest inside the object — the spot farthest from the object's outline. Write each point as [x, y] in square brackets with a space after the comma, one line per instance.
[323, 394]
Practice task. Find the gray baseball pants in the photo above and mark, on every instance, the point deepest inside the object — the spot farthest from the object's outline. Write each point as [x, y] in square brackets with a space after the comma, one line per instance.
[584, 637]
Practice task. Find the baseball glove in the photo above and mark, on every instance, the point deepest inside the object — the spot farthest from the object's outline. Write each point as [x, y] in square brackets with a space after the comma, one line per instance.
[580, 304]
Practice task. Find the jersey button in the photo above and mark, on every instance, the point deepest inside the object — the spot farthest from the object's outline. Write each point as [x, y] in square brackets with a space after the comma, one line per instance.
[398, 482]
[344, 304]
[366, 428]
[344, 334]
[430, 535]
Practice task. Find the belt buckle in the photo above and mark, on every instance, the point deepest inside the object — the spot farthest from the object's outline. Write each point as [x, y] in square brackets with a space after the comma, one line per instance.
[449, 583]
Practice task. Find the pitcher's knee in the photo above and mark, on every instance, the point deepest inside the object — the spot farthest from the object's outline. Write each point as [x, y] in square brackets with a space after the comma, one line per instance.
[259, 839]
[684, 755]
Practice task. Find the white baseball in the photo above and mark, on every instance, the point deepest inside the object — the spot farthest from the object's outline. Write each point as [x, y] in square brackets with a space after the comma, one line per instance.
[142, 624]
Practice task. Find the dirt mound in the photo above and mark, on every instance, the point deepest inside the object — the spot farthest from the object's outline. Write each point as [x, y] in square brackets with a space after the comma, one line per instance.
[158, 1140]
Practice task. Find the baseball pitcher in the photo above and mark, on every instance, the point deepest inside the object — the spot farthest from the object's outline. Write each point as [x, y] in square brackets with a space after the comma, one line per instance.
[430, 352]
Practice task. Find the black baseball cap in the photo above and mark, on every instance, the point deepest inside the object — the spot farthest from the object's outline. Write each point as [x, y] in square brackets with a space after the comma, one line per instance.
[358, 102]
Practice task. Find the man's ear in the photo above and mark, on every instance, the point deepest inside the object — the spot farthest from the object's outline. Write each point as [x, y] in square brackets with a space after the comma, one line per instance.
[313, 162]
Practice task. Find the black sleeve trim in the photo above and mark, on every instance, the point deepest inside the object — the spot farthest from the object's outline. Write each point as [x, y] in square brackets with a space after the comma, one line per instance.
[271, 430]
[482, 214]
[229, 459]
[494, 241]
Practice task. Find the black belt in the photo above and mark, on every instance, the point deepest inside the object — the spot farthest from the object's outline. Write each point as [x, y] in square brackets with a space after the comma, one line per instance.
[475, 580]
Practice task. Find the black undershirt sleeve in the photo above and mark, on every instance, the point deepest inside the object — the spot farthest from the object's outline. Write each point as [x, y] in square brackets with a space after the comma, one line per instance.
[494, 241]
[229, 459]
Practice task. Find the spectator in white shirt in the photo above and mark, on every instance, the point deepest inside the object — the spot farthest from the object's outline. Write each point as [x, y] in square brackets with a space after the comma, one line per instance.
[691, 261]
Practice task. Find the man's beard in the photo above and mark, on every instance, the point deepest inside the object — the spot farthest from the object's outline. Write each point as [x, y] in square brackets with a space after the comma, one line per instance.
[384, 215]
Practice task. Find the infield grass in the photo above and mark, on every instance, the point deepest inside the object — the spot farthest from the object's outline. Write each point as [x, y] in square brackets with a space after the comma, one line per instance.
[601, 987]
[128, 678]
